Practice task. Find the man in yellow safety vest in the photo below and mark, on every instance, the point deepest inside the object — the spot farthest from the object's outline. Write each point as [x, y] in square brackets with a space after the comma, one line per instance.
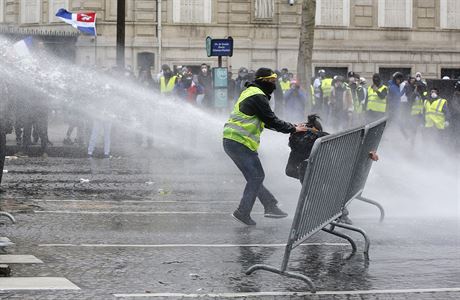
[241, 139]
[167, 81]
[436, 112]
[376, 100]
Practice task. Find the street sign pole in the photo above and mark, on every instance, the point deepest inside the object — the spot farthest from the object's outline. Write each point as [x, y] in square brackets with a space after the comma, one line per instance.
[219, 48]
[121, 11]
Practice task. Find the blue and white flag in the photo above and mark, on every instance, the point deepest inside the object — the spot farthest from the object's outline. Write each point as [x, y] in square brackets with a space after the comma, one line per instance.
[83, 21]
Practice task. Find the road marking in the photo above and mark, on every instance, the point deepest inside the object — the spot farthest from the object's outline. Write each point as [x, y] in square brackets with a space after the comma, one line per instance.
[19, 259]
[274, 294]
[187, 245]
[36, 283]
[136, 201]
[87, 212]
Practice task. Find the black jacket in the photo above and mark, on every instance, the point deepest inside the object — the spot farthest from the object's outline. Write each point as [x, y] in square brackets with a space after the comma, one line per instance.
[301, 144]
[259, 105]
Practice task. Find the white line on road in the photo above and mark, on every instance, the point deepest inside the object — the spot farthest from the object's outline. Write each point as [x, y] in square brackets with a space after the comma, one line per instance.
[186, 245]
[36, 283]
[287, 294]
[136, 201]
[87, 212]
[19, 259]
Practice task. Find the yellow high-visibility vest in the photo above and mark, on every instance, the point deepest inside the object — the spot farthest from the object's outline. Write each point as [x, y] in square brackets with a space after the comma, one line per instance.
[285, 85]
[434, 116]
[374, 102]
[242, 128]
[169, 87]
[417, 107]
[326, 86]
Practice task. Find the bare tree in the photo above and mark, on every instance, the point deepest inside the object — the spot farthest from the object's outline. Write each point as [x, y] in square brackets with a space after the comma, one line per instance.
[307, 36]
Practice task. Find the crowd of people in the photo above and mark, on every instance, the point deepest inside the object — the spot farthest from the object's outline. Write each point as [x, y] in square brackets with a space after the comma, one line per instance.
[409, 102]
[340, 101]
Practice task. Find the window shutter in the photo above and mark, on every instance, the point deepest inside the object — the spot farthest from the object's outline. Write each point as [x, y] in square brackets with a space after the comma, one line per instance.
[30, 11]
[264, 9]
[333, 12]
[453, 14]
[192, 11]
[395, 13]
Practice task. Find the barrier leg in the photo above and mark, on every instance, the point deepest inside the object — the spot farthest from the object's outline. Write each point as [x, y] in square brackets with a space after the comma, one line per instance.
[380, 207]
[272, 269]
[344, 236]
[8, 215]
[359, 230]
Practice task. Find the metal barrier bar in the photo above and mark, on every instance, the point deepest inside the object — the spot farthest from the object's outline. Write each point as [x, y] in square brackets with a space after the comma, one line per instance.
[380, 207]
[344, 236]
[336, 173]
[8, 215]
[367, 241]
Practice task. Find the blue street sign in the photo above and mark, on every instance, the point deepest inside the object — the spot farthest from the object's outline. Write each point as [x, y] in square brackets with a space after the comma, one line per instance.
[219, 47]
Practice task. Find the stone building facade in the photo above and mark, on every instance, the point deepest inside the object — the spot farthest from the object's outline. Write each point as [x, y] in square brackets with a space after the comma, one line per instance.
[365, 36]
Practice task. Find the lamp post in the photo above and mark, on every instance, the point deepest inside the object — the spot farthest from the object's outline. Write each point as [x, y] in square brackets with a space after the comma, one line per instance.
[121, 11]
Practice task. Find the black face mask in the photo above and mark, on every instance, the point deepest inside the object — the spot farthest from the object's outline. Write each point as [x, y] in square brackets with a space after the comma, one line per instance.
[266, 86]
[376, 81]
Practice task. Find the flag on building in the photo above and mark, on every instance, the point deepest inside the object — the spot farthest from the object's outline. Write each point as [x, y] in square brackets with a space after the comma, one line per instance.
[84, 21]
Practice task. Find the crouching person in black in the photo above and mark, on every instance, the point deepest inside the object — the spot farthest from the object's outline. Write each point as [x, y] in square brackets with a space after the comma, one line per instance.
[301, 144]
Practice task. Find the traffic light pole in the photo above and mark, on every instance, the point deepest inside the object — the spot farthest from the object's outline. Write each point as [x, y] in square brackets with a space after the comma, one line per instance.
[121, 11]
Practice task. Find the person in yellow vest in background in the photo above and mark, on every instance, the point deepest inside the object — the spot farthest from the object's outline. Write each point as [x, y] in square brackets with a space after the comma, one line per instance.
[416, 93]
[436, 112]
[326, 89]
[318, 88]
[376, 100]
[167, 81]
[241, 139]
[285, 83]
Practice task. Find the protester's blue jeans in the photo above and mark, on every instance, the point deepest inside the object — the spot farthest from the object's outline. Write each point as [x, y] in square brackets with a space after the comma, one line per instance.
[249, 164]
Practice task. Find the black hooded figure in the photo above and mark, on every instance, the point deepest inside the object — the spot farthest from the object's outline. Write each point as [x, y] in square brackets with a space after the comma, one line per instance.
[301, 144]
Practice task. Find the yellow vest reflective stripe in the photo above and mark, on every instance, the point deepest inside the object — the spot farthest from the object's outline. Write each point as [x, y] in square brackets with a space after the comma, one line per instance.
[417, 107]
[167, 88]
[313, 98]
[433, 113]
[285, 85]
[326, 86]
[374, 102]
[242, 128]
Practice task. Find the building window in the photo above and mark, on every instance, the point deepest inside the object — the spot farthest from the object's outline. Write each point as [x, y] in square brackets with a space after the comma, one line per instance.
[30, 11]
[54, 6]
[264, 9]
[192, 11]
[450, 14]
[453, 73]
[387, 73]
[395, 13]
[2, 11]
[333, 12]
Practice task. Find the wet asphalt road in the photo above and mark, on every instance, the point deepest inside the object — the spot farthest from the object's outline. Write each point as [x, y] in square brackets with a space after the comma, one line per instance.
[162, 225]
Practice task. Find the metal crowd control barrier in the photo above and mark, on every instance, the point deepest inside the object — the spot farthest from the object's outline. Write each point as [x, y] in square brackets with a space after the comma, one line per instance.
[372, 135]
[337, 171]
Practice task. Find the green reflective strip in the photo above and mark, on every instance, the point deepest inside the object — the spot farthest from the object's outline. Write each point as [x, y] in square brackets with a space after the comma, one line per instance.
[252, 120]
[243, 131]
